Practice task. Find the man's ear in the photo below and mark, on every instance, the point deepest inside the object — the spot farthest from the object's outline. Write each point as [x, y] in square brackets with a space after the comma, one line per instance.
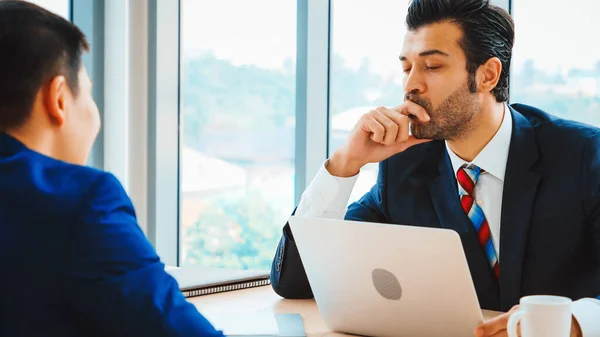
[55, 99]
[488, 74]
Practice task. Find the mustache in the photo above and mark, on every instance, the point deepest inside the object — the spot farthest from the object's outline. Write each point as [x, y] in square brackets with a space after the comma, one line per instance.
[423, 102]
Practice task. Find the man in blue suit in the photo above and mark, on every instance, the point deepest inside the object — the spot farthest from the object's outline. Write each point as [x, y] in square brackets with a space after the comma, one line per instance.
[75, 262]
[521, 187]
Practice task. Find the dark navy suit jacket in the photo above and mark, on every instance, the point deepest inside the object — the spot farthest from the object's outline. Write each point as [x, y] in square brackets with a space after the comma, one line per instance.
[550, 226]
[74, 260]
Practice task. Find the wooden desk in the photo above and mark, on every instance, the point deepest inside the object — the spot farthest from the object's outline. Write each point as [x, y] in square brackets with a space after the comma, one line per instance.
[262, 298]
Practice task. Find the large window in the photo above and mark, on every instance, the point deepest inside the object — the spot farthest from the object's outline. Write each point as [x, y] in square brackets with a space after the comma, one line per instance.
[237, 135]
[366, 40]
[60, 7]
[554, 67]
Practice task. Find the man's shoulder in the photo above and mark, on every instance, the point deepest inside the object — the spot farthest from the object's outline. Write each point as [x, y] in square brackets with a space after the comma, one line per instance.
[69, 177]
[85, 185]
[547, 125]
[560, 142]
[53, 182]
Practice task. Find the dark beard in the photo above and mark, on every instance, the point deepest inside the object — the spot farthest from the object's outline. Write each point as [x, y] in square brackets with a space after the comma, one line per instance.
[451, 120]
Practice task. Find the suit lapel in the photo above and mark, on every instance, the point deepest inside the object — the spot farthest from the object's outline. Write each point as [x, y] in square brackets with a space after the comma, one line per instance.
[520, 188]
[444, 194]
[443, 190]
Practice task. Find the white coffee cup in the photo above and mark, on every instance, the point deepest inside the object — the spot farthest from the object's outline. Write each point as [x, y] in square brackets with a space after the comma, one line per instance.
[542, 316]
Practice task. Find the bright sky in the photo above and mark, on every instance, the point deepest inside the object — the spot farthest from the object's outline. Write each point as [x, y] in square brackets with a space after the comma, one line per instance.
[566, 34]
[263, 32]
[60, 7]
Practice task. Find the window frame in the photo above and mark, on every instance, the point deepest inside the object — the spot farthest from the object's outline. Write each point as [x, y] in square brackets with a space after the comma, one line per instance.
[88, 15]
[312, 115]
[163, 128]
[153, 176]
[313, 49]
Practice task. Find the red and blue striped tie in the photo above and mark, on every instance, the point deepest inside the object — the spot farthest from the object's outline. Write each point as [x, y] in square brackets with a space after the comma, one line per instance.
[467, 178]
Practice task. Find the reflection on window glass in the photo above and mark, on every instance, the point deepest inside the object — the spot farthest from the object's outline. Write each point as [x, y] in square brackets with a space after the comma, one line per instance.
[553, 69]
[237, 111]
[366, 40]
[60, 7]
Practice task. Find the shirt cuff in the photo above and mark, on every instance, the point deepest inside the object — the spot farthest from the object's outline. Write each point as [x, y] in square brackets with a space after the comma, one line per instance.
[587, 313]
[326, 196]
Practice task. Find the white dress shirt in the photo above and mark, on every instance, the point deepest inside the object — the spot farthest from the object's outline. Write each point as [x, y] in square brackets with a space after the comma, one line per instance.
[489, 187]
[327, 197]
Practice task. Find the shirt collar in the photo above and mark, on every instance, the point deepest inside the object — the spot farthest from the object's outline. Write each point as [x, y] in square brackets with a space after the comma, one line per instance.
[9, 145]
[494, 155]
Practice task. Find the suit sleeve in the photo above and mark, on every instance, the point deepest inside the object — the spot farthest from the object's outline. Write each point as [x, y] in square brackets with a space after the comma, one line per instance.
[587, 310]
[371, 207]
[116, 283]
[325, 197]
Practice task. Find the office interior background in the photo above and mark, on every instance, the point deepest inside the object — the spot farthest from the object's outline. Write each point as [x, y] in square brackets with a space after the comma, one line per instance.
[217, 114]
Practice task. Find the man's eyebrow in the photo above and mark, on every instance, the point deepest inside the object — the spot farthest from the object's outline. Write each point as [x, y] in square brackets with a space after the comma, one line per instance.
[427, 53]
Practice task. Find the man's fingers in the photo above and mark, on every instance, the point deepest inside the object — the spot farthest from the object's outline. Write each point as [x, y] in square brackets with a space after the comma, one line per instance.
[504, 333]
[401, 121]
[391, 127]
[409, 108]
[493, 326]
[394, 115]
[496, 325]
[371, 125]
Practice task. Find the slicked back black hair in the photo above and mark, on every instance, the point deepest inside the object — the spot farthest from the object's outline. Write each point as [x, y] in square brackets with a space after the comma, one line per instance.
[488, 31]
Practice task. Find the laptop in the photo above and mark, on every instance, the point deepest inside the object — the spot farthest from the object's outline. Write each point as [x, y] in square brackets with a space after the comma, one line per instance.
[388, 280]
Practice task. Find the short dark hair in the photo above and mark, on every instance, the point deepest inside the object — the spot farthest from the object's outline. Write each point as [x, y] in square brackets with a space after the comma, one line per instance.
[35, 46]
[488, 31]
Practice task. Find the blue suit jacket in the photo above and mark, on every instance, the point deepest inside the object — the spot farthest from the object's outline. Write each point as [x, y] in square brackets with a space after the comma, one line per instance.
[74, 260]
[550, 226]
